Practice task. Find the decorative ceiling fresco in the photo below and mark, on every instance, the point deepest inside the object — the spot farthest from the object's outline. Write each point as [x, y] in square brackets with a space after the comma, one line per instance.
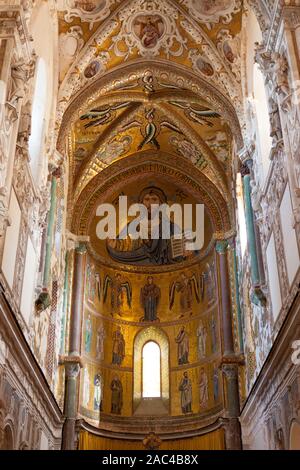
[147, 75]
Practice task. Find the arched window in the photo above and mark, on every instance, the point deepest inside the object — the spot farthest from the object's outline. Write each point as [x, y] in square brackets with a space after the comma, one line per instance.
[262, 116]
[151, 370]
[38, 117]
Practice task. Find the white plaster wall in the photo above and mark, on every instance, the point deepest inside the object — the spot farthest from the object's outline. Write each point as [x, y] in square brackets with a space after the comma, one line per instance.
[11, 240]
[43, 28]
[274, 284]
[289, 236]
[28, 281]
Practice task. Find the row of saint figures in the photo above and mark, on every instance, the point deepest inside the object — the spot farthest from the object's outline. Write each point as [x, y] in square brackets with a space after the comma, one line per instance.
[116, 291]
[208, 392]
[206, 336]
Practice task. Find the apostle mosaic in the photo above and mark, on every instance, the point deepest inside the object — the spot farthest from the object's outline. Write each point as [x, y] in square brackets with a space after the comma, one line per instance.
[214, 337]
[210, 290]
[203, 389]
[149, 298]
[98, 388]
[86, 388]
[187, 287]
[101, 335]
[88, 334]
[201, 340]
[149, 29]
[216, 383]
[118, 347]
[93, 283]
[182, 340]
[119, 289]
[116, 395]
[185, 388]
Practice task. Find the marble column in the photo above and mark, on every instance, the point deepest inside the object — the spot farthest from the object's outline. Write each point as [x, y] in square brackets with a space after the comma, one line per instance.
[230, 361]
[44, 300]
[257, 296]
[72, 361]
[233, 434]
[65, 304]
[72, 370]
[226, 311]
[77, 299]
[238, 300]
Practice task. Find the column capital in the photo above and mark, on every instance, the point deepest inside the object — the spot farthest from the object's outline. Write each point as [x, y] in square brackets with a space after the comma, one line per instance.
[232, 360]
[77, 242]
[247, 152]
[230, 371]
[221, 247]
[72, 365]
[221, 237]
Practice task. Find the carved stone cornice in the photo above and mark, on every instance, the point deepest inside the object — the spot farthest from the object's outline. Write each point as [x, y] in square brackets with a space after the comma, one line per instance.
[14, 25]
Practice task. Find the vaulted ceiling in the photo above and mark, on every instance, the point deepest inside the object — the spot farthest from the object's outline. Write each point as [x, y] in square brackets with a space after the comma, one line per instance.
[140, 75]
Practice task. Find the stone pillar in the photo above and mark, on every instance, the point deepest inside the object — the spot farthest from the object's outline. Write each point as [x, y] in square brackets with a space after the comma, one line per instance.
[230, 361]
[228, 344]
[238, 300]
[77, 299]
[44, 300]
[258, 296]
[65, 304]
[233, 434]
[72, 361]
[72, 369]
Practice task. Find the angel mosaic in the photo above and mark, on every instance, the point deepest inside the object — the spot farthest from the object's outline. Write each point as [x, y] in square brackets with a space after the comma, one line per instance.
[102, 115]
[187, 288]
[197, 113]
[153, 128]
[119, 289]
